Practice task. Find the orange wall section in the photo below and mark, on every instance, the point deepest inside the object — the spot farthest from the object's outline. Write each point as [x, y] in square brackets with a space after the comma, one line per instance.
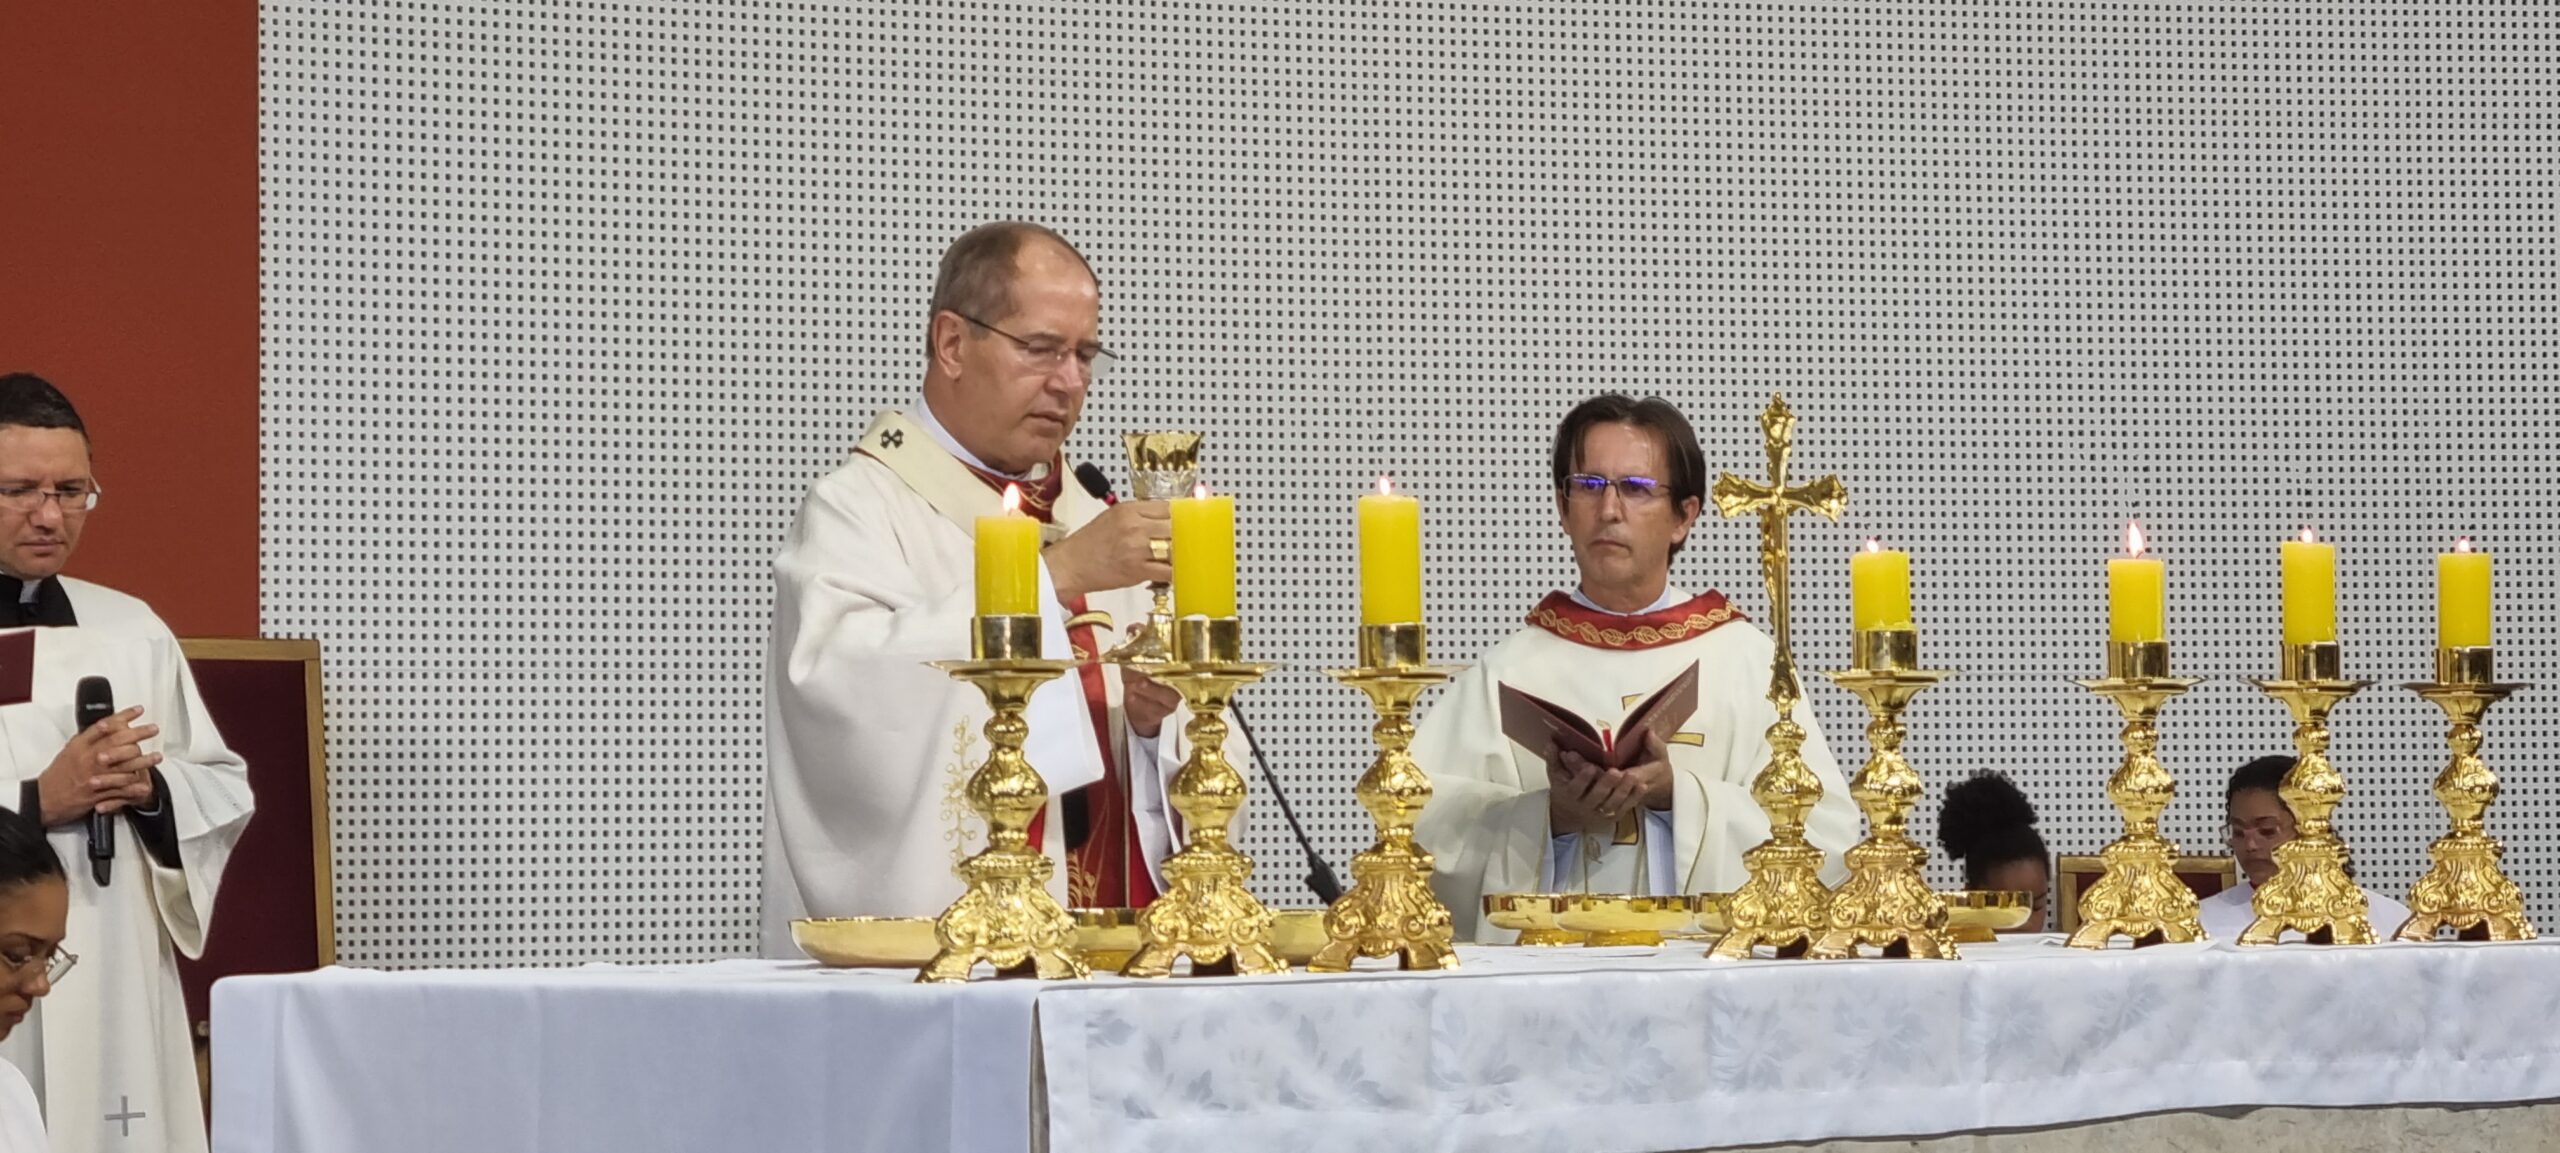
[129, 278]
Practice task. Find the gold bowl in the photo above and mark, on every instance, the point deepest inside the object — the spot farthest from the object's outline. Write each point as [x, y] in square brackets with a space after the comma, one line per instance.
[867, 942]
[1712, 916]
[1297, 935]
[1977, 915]
[1532, 915]
[1617, 919]
[1106, 938]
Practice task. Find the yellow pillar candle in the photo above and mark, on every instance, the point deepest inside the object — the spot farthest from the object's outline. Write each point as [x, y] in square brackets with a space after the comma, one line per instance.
[1009, 561]
[1390, 558]
[1879, 588]
[2310, 590]
[2137, 593]
[2462, 597]
[1204, 554]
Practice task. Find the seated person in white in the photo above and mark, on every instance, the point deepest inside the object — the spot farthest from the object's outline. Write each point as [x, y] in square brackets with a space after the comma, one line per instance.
[2255, 821]
[35, 901]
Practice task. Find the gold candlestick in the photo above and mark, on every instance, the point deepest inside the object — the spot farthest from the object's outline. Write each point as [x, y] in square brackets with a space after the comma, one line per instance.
[1162, 466]
[1206, 913]
[1006, 917]
[2140, 897]
[2466, 889]
[1390, 910]
[1886, 903]
[1783, 903]
[2311, 892]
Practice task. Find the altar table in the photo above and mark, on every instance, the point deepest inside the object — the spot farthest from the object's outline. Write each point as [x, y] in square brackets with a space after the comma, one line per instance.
[1521, 1050]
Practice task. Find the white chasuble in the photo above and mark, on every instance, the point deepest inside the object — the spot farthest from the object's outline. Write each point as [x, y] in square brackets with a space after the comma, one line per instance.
[867, 750]
[109, 1048]
[1487, 821]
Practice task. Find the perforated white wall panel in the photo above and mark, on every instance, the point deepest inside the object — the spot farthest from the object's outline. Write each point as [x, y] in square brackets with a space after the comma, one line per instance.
[566, 304]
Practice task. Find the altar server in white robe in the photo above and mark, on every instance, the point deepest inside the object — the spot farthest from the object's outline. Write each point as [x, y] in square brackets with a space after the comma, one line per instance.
[35, 903]
[108, 1054]
[2255, 821]
[867, 749]
[1504, 817]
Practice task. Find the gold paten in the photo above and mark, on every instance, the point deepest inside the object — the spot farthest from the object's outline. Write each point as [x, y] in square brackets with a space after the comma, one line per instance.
[1784, 903]
[1532, 915]
[868, 942]
[1162, 466]
[1106, 938]
[1618, 919]
[2465, 889]
[2140, 897]
[2311, 893]
[1206, 914]
[1885, 903]
[1006, 917]
[1390, 910]
[1977, 916]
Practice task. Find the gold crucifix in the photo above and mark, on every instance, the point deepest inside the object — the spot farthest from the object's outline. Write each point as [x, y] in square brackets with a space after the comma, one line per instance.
[1784, 904]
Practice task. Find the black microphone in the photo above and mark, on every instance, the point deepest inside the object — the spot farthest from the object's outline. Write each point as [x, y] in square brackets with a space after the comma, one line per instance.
[97, 703]
[1320, 878]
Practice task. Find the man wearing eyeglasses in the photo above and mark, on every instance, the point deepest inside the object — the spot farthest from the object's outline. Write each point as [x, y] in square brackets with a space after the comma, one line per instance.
[867, 750]
[1511, 811]
[109, 1053]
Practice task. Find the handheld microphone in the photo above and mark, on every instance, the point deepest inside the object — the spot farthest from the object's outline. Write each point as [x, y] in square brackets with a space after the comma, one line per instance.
[1099, 486]
[1320, 877]
[97, 703]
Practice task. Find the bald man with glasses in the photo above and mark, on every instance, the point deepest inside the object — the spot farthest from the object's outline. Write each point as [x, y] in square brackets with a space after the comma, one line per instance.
[1513, 811]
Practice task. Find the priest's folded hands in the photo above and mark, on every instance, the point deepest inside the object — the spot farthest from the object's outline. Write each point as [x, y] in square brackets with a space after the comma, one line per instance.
[1586, 798]
[103, 769]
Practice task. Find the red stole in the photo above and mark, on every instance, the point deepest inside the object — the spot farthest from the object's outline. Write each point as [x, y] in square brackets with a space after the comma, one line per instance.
[1108, 869]
[1699, 615]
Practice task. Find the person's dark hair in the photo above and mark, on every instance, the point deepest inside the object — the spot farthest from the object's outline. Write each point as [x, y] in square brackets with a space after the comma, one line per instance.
[2264, 773]
[1986, 823]
[24, 853]
[1688, 479]
[976, 277]
[31, 401]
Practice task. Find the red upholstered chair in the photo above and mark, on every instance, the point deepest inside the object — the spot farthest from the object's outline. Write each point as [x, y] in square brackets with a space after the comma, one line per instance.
[275, 912]
[2074, 874]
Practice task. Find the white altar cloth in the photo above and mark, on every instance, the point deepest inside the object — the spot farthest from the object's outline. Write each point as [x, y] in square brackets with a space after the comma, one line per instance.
[1521, 1050]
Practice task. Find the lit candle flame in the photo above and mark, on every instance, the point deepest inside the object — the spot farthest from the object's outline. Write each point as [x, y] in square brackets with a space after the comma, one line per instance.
[1199, 490]
[1873, 545]
[2462, 544]
[1012, 499]
[2133, 538]
[1385, 489]
[2307, 538]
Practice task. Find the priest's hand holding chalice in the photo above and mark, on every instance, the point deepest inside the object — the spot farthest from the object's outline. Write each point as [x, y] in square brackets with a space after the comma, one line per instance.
[1129, 544]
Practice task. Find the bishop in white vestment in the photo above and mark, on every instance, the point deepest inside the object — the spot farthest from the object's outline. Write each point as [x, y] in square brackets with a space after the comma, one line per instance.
[108, 1051]
[1507, 817]
[868, 750]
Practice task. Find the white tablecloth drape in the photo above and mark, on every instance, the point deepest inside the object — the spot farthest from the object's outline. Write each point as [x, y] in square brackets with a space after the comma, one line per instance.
[739, 1055]
[1589, 1050]
[1578, 1050]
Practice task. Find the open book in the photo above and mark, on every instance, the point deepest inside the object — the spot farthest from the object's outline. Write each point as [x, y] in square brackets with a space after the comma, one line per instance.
[1546, 728]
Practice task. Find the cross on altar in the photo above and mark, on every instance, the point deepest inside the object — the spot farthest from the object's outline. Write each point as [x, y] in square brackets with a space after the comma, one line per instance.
[127, 1115]
[1784, 904]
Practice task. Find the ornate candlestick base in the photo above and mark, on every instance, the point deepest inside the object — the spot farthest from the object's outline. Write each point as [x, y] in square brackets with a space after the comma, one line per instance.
[2140, 896]
[1390, 910]
[1006, 917]
[1886, 903]
[2311, 893]
[2466, 890]
[1206, 914]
